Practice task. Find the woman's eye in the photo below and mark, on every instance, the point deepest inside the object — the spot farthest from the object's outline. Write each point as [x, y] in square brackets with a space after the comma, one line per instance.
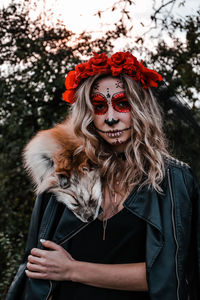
[99, 107]
[75, 204]
[123, 104]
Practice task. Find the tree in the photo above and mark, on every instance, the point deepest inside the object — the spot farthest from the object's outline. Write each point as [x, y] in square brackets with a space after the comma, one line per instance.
[179, 65]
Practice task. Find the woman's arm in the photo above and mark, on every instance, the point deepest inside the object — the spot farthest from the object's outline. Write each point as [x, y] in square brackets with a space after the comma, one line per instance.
[130, 277]
[59, 265]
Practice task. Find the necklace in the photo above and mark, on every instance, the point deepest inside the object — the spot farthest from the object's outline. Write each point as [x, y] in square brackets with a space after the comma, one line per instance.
[115, 206]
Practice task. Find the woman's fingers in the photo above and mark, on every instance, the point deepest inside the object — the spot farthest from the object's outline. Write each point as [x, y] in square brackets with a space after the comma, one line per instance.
[50, 245]
[47, 244]
[38, 252]
[35, 260]
[36, 275]
[35, 268]
[53, 246]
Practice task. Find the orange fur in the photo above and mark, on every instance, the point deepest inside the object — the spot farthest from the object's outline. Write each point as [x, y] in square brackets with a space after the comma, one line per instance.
[66, 159]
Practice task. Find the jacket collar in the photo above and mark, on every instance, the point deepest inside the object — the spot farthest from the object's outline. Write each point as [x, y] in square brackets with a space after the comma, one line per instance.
[69, 225]
[145, 204]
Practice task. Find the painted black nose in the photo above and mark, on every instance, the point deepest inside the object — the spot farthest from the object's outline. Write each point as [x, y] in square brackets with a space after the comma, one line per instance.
[90, 219]
[111, 122]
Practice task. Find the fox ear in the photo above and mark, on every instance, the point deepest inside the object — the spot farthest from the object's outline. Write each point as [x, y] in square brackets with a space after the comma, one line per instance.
[64, 181]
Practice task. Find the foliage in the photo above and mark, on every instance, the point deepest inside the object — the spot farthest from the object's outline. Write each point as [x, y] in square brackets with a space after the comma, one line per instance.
[10, 258]
[179, 65]
[177, 58]
[179, 62]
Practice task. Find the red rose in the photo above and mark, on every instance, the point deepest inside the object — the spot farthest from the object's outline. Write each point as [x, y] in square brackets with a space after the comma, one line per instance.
[132, 64]
[99, 63]
[149, 77]
[70, 84]
[116, 62]
[152, 77]
[70, 81]
[83, 71]
[123, 62]
[118, 58]
[68, 96]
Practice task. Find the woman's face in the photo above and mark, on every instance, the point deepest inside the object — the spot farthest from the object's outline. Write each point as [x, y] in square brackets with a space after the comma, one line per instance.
[112, 116]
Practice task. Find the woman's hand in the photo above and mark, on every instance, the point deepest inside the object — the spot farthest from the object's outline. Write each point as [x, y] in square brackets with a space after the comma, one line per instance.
[54, 264]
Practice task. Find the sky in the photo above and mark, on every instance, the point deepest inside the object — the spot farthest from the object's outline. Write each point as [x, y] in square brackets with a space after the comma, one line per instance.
[78, 15]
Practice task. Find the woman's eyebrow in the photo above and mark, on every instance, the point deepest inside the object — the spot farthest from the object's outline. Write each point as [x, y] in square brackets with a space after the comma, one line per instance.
[100, 95]
[119, 95]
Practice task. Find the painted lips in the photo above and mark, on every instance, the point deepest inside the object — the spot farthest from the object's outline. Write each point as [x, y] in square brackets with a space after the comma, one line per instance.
[114, 134]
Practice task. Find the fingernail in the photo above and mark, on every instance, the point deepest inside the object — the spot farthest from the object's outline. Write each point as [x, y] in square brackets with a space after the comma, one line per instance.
[42, 240]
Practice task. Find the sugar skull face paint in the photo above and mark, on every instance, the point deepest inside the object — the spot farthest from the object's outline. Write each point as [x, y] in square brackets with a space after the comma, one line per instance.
[112, 111]
[119, 102]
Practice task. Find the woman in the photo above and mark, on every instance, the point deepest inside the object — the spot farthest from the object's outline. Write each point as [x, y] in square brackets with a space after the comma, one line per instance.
[143, 243]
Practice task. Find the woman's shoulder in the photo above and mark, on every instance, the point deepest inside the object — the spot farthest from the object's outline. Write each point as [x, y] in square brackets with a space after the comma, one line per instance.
[176, 163]
[182, 174]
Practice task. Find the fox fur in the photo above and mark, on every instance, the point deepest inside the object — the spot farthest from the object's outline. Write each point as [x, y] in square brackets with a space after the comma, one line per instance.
[56, 161]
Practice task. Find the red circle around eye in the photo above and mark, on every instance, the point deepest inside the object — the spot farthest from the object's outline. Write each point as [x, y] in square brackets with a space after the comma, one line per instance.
[120, 103]
[100, 104]
[100, 109]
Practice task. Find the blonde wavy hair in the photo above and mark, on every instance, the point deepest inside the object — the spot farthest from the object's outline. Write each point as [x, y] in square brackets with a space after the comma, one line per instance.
[145, 152]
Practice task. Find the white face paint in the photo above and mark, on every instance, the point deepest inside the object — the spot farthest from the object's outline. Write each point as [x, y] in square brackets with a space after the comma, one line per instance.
[112, 116]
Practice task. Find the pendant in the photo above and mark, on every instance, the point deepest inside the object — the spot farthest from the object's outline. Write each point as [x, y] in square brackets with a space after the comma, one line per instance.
[104, 229]
[115, 198]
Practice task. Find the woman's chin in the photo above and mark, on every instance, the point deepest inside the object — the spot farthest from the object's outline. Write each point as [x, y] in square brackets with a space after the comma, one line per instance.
[119, 146]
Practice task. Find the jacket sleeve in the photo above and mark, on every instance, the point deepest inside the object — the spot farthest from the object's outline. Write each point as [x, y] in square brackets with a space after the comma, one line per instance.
[194, 253]
[17, 286]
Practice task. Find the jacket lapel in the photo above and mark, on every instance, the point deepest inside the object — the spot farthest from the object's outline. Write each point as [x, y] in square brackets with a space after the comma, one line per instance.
[68, 226]
[145, 205]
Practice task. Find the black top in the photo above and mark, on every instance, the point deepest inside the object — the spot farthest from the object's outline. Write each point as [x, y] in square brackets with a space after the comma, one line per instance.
[124, 243]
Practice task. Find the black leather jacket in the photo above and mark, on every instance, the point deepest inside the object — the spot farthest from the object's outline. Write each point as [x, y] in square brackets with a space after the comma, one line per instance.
[172, 244]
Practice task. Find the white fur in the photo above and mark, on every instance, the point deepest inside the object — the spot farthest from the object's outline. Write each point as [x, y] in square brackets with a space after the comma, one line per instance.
[38, 158]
